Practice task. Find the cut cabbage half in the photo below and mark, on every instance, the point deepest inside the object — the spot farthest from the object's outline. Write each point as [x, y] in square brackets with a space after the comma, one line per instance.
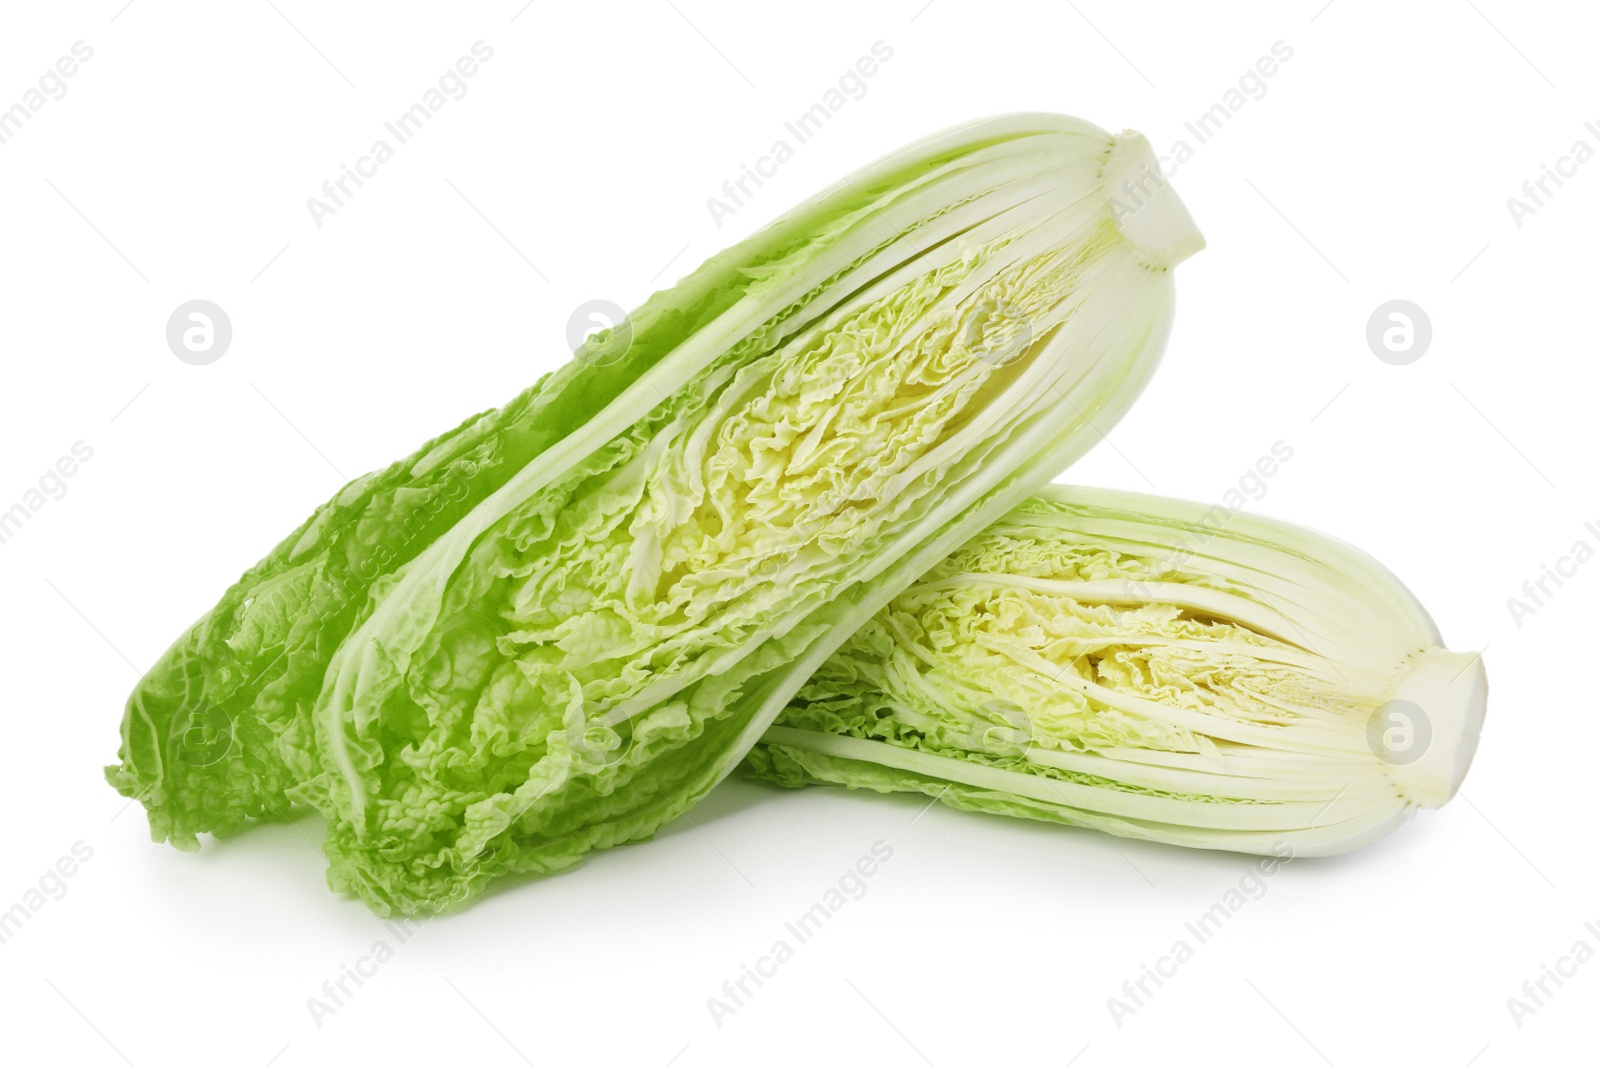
[1154, 669]
[555, 628]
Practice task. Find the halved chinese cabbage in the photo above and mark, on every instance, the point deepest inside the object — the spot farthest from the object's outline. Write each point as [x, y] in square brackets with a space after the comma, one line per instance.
[559, 625]
[1150, 668]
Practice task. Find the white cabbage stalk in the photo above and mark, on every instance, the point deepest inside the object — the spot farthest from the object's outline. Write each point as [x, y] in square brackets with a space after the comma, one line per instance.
[1153, 669]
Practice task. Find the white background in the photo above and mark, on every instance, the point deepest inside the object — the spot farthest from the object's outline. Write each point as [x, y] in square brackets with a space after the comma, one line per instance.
[1376, 166]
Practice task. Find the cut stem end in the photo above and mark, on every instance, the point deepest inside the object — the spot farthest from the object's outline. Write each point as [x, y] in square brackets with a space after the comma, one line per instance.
[1144, 205]
[1428, 731]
